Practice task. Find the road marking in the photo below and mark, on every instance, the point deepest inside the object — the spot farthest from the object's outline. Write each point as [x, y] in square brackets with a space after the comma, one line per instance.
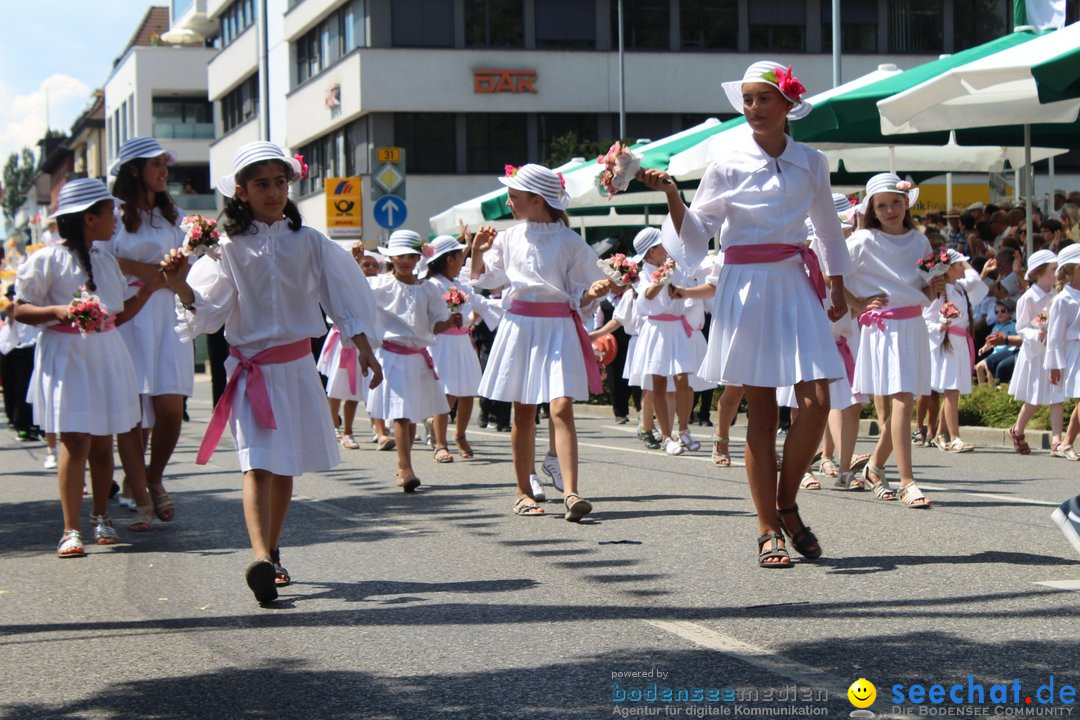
[640, 451]
[1072, 585]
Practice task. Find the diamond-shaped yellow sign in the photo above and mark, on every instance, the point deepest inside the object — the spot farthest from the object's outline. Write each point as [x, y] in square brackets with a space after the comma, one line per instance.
[389, 178]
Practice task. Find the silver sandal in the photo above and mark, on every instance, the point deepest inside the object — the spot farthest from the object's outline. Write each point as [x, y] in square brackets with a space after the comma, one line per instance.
[882, 489]
[104, 532]
[909, 496]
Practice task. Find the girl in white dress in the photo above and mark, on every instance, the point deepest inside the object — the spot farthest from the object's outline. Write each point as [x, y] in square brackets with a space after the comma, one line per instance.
[410, 314]
[1030, 382]
[83, 387]
[770, 328]
[888, 292]
[951, 367]
[149, 228]
[1063, 336]
[542, 352]
[454, 353]
[273, 276]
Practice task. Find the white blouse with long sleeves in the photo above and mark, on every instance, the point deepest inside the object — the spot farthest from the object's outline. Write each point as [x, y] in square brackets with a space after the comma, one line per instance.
[975, 290]
[751, 198]
[268, 287]
[542, 262]
[1063, 330]
[886, 264]
[407, 313]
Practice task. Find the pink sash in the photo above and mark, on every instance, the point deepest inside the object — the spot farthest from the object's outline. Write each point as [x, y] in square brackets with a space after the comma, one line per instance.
[347, 358]
[255, 391]
[847, 356]
[877, 318]
[953, 330]
[667, 317]
[399, 349]
[558, 310]
[456, 331]
[775, 252]
[69, 328]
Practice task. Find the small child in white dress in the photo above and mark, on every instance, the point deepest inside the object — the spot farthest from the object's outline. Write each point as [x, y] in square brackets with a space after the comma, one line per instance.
[83, 387]
[410, 314]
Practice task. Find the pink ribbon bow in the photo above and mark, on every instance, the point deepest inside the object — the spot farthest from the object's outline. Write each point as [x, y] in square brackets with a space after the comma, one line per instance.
[557, 310]
[255, 390]
[847, 356]
[877, 318]
[399, 349]
[775, 252]
[667, 317]
[346, 360]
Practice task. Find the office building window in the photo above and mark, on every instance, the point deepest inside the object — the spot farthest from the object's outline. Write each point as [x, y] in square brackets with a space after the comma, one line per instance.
[422, 23]
[978, 21]
[915, 26]
[778, 25]
[191, 117]
[858, 23]
[336, 36]
[566, 135]
[494, 23]
[430, 142]
[709, 24]
[569, 24]
[336, 154]
[493, 140]
[646, 24]
[237, 18]
[241, 104]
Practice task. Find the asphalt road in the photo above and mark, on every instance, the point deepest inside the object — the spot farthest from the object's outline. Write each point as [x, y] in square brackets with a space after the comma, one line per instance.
[443, 604]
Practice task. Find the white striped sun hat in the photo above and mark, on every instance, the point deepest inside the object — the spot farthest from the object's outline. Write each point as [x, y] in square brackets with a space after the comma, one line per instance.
[538, 179]
[644, 241]
[81, 194]
[441, 245]
[1070, 255]
[765, 71]
[140, 147]
[1040, 258]
[403, 242]
[889, 182]
[255, 152]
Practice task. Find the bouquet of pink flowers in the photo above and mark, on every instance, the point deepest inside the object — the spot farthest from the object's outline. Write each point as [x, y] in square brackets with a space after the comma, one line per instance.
[201, 236]
[934, 265]
[662, 275]
[455, 299]
[948, 312]
[620, 269]
[1040, 320]
[620, 167]
[88, 313]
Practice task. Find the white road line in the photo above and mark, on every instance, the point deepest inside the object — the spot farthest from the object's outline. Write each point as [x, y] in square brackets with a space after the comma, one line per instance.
[1073, 585]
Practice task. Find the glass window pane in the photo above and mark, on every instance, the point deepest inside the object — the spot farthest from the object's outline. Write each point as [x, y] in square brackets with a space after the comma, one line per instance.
[422, 23]
[646, 24]
[494, 23]
[493, 141]
[709, 24]
[566, 24]
[429, 140]
[915, 26]
[979, 21]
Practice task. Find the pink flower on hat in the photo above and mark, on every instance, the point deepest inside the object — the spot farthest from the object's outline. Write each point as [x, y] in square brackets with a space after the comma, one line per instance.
[510, 170]
[787, 82]
[903, 185]
[303, 166]
[562, 180]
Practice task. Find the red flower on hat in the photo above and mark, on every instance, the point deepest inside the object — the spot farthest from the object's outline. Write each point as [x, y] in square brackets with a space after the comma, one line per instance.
[789, 84]
[303, 166]
[562, 180]
[510, 170]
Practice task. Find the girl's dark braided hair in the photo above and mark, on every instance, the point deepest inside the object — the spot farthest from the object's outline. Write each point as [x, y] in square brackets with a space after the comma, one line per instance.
[130, 187]
[237, 216]
[438, 265]
[70, 227]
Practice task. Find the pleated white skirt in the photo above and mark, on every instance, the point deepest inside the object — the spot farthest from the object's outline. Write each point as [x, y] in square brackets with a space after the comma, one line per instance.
[337, 377]
[769, 329]
[1031, 380]
[893, 360]
[83, 384]
[458, 365]
[535, 360]
[951, 369]
[663, 349]
[409, 390]
[163, 363]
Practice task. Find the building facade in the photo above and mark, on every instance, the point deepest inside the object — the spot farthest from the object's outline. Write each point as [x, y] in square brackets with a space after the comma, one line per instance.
[466, 86]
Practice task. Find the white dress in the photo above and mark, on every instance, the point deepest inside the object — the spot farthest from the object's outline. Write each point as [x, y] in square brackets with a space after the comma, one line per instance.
[407, 315]
[769, 328]
[1063, 340]
[80, 384]
[663, 347]
[267, 290]
[537, 359]
[628, 318]
[1031, 380]
[164, 364]
[337, 377]
[951, 369]
[896, 359]
[455, 355]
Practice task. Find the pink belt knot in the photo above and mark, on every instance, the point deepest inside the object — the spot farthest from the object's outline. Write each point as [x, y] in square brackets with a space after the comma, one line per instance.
[847, 356]
[668, 317]
[347, 360]
[559, 310]
[959, 331]
[70, 328]
[877, 318]
[776, 252]
[399, 349]
[255, 390]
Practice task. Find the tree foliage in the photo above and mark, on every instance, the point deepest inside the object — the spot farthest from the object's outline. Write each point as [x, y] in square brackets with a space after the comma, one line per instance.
[19, 173]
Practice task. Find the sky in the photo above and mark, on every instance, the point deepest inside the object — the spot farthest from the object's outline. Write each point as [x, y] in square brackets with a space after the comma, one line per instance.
[64, 46]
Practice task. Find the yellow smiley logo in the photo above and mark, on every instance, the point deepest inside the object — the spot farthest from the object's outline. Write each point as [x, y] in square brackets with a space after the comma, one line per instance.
[862, 693]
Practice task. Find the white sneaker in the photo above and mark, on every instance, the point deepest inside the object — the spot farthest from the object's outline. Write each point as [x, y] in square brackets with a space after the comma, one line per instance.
[50, 461]
[688, 441]
[673, 447]
[537, 487]
[551, 469]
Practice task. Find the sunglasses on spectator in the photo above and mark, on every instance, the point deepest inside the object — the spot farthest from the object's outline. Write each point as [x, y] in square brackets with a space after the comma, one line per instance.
[999, 311]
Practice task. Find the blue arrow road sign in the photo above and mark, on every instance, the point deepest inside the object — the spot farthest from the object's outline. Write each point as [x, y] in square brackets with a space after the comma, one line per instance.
[390, 211]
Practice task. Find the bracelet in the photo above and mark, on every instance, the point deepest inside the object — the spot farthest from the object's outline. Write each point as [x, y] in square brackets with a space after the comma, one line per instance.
[190, 307]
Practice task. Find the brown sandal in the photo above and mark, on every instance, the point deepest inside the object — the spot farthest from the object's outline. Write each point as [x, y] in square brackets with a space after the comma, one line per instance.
[445, 457]
[464, 449]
